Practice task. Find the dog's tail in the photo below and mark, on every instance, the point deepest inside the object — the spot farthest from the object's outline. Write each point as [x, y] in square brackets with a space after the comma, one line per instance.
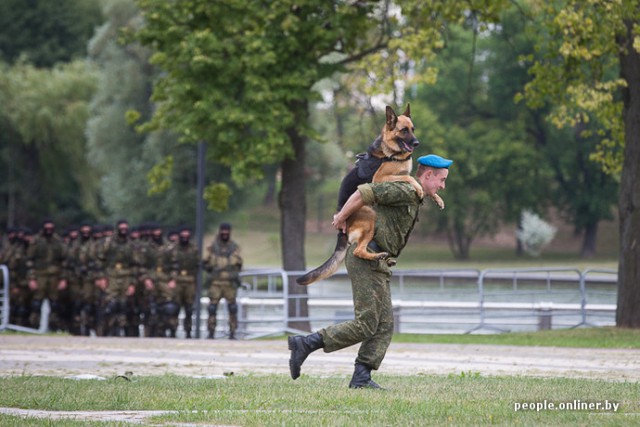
[330, 266]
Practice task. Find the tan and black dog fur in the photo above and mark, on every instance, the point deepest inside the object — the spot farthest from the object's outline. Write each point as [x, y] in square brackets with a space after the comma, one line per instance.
[387, 159]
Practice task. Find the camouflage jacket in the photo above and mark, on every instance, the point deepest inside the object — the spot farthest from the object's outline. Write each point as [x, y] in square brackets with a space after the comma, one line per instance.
[224, 261]
[46, 255]
[183, 260]
[118, 256]
[396, 205]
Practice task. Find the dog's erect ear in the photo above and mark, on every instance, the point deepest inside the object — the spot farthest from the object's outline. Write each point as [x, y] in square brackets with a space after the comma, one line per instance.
[392, 119]
[407, 111]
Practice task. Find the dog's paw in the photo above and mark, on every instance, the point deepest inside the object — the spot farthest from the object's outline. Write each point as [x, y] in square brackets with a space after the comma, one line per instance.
[438, 201]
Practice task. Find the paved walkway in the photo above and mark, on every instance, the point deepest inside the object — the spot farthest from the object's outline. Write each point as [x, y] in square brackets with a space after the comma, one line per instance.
[67, 356]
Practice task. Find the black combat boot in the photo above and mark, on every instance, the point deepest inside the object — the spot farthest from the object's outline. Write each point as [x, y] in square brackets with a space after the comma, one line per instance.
[362, 377]
[301, 347]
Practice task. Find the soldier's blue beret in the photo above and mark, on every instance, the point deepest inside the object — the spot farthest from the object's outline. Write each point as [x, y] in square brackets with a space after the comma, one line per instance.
[435, 161]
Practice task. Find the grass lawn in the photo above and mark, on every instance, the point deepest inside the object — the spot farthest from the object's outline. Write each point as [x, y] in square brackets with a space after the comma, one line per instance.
[464, 399]
[604, 337]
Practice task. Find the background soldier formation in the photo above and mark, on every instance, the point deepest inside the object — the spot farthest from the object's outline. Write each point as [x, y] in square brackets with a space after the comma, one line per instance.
[112, 282]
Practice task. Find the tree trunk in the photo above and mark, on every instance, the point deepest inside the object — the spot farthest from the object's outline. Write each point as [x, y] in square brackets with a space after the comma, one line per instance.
[628, 311]
[459, 242]
[589, 240]
[293, 212]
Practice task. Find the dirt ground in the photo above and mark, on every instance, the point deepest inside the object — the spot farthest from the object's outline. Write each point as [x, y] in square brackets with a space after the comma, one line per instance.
[107, 357]
[68, 356]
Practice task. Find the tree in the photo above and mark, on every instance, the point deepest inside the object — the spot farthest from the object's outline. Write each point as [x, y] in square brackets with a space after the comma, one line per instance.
[497, 171]
[240, 75]
[582, 43]
[43, 116]
[131, 186]
[46, 32]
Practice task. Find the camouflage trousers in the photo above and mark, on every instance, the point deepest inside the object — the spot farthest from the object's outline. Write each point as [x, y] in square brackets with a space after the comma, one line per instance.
[223, 289]
[48, 288]
[373, 322]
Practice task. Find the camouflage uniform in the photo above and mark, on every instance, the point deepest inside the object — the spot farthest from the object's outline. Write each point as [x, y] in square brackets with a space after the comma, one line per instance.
[224, 264]
[119, 266]
[396, 205]
[150, 278]
[73, 304]
[181, 288]
[93, 293]
[85, 271]
[14, 257]
[46, 261]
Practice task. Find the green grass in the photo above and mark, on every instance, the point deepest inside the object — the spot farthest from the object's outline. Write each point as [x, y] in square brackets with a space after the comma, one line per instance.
[462, 399]
[604, 337]
[262, 249]
[276, 400]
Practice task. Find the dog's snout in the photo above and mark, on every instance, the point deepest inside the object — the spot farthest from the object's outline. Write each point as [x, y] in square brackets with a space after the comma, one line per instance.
[415, 143]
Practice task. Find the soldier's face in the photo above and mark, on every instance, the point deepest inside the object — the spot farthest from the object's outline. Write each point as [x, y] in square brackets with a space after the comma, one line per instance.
[225, 235]
[123, 229]
[48, 229]
[184, 237]
[86, 232]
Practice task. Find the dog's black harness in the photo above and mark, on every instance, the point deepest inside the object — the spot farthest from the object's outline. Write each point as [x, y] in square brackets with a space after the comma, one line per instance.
[366, 166]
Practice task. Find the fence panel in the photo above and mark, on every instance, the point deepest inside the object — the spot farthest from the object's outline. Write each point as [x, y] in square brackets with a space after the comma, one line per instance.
[517, 299]
[4, 298]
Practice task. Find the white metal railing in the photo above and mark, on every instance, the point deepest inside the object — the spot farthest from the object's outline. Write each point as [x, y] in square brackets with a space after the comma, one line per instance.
[424, 301]
[4, 298]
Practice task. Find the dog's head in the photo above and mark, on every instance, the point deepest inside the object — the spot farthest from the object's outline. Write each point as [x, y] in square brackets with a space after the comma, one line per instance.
[398, 139]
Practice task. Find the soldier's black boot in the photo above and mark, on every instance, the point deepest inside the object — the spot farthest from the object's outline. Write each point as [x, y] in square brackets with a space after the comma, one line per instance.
[301, 347]
[362, 377]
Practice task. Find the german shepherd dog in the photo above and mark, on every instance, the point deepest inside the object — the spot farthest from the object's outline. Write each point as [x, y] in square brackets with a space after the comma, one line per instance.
[387, 159]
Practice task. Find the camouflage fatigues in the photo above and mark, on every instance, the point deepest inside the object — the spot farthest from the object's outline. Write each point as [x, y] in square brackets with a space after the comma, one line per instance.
[396, 205]
[46, 264]
[14, 257]
[149, 255]
[115, 301]
[224, 263]
[183, 266]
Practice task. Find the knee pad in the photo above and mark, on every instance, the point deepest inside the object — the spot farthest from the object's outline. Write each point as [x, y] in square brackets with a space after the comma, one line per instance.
[171, 309]
[212, 309]
[233, 308]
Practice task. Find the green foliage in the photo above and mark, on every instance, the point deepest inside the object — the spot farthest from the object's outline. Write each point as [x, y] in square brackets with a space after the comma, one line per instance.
[497, 171]
[46, 32]
[44, 115]
[217, 195]
[145, 177]
[160, 176]
[578, 71]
